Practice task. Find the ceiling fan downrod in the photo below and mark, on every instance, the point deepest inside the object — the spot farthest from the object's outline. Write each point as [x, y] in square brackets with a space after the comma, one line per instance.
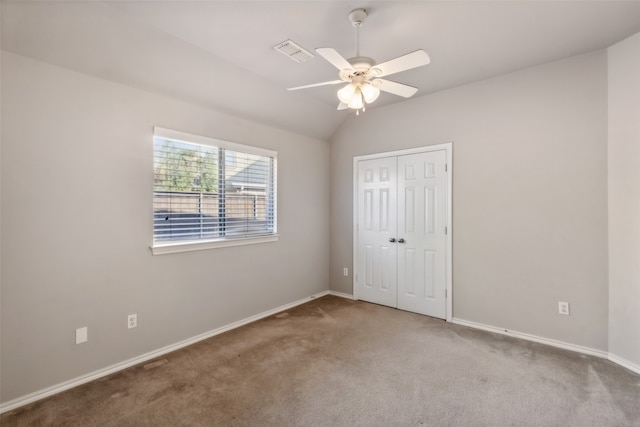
[357, 17]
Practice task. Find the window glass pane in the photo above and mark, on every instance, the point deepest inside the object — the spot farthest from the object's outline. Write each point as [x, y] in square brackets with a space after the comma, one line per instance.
[203, 192]
[185, 190]
[248, 184]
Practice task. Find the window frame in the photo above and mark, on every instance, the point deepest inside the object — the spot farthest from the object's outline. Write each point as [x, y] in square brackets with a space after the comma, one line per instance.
[168, 247]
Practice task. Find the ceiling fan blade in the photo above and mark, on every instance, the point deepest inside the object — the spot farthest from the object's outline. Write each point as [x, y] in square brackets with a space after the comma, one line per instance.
[399, 89]
[332, 82]
[334, 58]
[342, 106]
[404, 62]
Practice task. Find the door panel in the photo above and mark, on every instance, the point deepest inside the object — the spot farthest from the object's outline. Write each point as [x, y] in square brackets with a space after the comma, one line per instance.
[376, 261]
[421, 223]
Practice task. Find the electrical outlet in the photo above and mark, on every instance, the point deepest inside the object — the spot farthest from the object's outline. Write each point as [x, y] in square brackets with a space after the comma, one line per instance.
[345, 271]
[132, 321]
[563, 308]
[81, 335]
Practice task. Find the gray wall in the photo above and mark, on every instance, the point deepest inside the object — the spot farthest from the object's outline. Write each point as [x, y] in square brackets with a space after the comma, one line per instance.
[530, 212]
[529, 194]
[624, 200]
[77, 181]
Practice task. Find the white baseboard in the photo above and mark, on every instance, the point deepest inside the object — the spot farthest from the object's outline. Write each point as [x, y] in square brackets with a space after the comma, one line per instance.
[341, 295]
[554, 343]
[534, 338]
[548, 341]
[625, 363]
[66, 385]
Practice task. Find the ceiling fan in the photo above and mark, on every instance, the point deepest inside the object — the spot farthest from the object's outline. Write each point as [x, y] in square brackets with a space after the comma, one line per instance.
[363, 75]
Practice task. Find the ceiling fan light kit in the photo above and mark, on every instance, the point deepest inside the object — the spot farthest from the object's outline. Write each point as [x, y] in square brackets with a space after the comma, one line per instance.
[362, 74]
[355, 96]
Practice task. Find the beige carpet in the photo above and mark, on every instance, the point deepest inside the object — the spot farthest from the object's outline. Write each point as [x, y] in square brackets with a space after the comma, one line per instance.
[335, 362]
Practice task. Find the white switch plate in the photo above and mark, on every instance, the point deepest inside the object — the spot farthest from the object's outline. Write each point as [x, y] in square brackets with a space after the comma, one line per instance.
[81, 335]
[345, 271]
[132, 321]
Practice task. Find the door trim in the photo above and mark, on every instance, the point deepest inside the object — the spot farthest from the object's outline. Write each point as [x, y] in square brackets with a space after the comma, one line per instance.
[448, 148]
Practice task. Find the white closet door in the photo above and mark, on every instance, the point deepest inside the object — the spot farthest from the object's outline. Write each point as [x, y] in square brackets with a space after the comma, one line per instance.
[422, 213]
[376, 215]
[401, 237]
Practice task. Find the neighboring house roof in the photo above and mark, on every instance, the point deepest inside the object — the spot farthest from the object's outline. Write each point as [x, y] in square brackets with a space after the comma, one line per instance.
[251, 176]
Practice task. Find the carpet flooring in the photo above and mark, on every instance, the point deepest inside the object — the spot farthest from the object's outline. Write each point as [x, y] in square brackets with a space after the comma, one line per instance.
[337, 362]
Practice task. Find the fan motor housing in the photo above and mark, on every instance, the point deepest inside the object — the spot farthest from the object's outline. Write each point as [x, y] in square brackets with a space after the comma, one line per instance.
[361, 69]
[361, 63]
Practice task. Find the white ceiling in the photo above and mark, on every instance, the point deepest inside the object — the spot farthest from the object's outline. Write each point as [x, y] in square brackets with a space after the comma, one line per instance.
[219, 53]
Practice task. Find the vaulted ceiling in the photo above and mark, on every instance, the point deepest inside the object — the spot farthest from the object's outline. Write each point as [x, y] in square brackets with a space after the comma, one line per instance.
[220, 53]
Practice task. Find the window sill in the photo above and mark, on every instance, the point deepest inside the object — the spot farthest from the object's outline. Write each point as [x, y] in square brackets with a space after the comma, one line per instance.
[188, 246]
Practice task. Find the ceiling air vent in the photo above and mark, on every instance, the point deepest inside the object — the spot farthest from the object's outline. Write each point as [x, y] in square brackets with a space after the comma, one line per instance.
[292, 50]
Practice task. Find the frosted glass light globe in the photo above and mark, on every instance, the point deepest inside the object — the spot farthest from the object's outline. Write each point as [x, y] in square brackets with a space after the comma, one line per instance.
[370, 93]
[346, 93]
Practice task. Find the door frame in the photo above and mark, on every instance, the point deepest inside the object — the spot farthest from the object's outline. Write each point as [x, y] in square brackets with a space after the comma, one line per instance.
[448, 148]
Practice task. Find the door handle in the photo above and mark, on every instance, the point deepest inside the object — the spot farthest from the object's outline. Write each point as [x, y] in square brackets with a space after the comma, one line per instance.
[391, 239]
[400, 240]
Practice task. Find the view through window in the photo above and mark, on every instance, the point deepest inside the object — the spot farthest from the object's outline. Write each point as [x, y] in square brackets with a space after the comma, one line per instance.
[205, 192]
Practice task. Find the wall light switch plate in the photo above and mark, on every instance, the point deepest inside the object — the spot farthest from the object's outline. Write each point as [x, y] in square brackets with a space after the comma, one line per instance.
[345, 271]
[132, 321]
[82, 335]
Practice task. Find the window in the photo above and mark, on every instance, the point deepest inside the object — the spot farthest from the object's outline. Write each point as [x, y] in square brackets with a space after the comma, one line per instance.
[209, 193]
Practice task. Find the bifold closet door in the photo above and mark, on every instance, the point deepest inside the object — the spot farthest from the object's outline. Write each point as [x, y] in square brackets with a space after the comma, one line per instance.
[377, 222]
[401, 235]
[422, 210]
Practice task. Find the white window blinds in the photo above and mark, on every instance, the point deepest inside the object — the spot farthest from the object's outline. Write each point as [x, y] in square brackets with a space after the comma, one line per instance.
[211, 190]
